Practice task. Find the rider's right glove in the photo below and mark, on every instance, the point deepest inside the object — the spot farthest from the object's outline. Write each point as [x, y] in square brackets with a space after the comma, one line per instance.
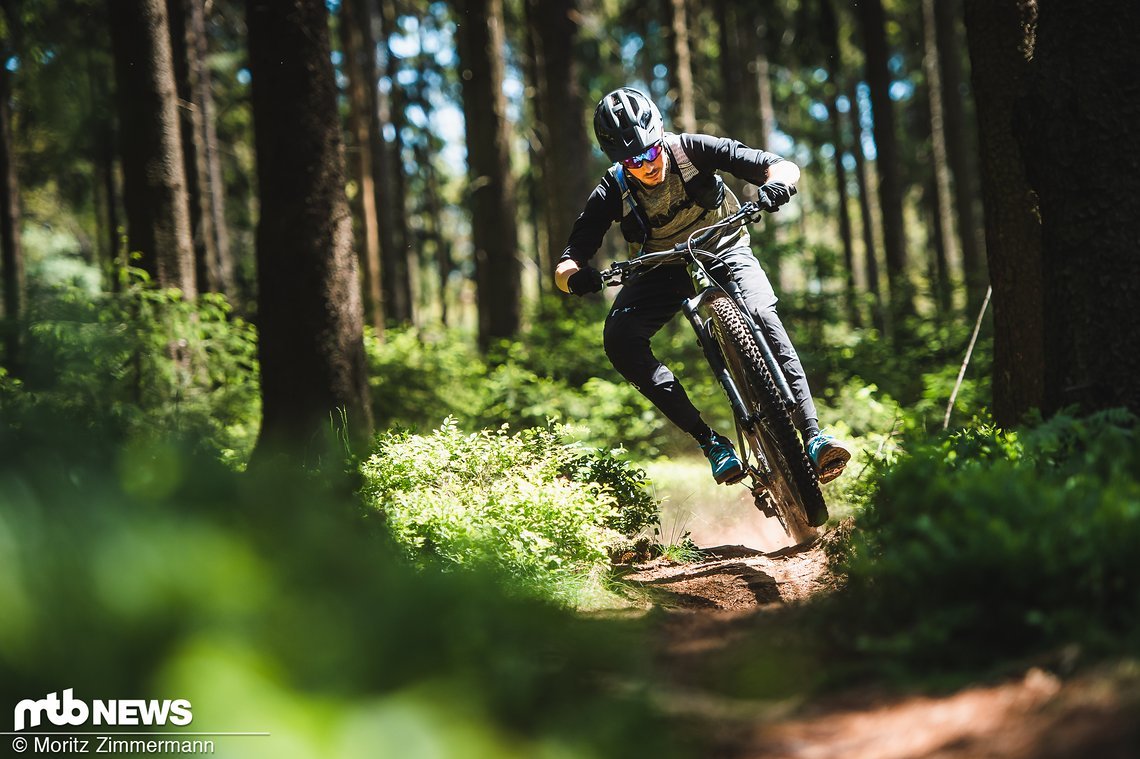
[772, 195]
[584, 281]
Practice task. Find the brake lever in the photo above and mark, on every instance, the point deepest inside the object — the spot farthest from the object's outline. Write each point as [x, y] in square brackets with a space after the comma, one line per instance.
[752, 211]
[613, 276]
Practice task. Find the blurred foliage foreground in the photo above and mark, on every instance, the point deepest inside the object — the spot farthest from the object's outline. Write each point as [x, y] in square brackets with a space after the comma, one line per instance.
[406, 610]
[267, 601]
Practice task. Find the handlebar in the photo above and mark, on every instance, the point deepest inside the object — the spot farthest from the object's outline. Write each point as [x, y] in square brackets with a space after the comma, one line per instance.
[685, 251]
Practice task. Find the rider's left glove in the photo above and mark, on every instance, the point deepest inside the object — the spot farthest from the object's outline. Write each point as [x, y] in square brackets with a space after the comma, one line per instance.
[584, 281]
[772, 195]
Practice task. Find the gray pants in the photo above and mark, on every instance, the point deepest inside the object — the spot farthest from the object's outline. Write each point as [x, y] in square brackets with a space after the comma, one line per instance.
[645, 304]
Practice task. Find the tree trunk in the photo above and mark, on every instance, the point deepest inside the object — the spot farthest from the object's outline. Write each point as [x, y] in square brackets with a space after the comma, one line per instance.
[310, 317]
[108, 200]
[401, 263]
[434, 231]
[493, 230]
[845, 235]
[829, 34]
[732, 70]
[408, 253]
[154, 178]
[941, 203]
[541, 205]
[393, 263]
[11, 252]
[185, 49]
[1077, 130]
[215, 184]
[564, 144]
[937, 260]
[870, 250]
[685, 113]
[1013, 231]
[890, 182]
[426, 148]
[961, 155]
[765, 110]
[360, 153]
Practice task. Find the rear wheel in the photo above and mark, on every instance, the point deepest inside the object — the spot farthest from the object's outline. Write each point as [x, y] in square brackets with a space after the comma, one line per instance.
[774, 456]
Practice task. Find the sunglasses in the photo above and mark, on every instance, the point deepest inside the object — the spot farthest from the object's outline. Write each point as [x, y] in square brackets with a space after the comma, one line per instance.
[649, 156]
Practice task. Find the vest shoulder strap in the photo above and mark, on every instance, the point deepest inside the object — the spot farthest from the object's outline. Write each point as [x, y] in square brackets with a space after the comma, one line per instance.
[684, 164]
[618, 172]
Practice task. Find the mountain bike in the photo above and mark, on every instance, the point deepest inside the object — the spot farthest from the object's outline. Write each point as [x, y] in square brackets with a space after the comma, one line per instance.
[778, 472]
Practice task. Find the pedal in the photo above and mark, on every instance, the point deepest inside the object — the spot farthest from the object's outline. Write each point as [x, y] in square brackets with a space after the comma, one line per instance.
[736, 477]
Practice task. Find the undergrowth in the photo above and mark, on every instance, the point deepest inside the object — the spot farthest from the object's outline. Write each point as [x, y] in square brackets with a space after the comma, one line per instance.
[993, 544]
[544, 512]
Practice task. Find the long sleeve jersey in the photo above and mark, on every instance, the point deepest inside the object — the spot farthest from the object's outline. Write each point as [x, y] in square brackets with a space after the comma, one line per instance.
[669, 210]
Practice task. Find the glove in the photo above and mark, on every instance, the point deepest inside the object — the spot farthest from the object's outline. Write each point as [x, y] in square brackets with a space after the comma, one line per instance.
[772, 195]
[584, 281]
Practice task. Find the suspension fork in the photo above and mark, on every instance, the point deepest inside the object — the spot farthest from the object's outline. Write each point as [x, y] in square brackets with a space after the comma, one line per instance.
[774, 368]
[690, 307]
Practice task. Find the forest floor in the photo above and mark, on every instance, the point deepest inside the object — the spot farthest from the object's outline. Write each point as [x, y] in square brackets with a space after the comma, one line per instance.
[708, 612]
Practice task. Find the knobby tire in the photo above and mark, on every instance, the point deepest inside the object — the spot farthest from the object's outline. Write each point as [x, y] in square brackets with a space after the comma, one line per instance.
[795, 490]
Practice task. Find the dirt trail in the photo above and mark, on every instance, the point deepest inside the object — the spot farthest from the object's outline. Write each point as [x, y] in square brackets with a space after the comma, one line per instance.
[714, 603]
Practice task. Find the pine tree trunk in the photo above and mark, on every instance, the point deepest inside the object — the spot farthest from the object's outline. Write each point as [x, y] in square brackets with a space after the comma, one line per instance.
[765, 110]
[870, 250]
[443, 265]
[214, 188]
[493, 226]
[829, 34]
[732, 69]
[1077, 130]
[873, 22]
[11, 252]
[1013, 231]
[541, 205]
[941, 203]
[408, 253]
[937, 260]
[107, 193]
[404, 268]
[851, 300]
[154, 177]
[565, 145]
[360, 154]
[185, 48]
[310, 317]
[393, 262]
[960, 153]
[685, 113]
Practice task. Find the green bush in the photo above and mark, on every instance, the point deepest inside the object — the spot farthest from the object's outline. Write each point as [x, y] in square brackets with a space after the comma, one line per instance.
[996, 543]
[526, 504]
[419, 377]
[142, 362]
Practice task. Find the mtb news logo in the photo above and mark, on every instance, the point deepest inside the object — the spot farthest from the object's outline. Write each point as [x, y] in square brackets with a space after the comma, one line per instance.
[72, 711]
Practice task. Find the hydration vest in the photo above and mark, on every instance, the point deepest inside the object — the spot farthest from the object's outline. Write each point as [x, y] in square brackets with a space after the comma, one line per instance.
[705, 190]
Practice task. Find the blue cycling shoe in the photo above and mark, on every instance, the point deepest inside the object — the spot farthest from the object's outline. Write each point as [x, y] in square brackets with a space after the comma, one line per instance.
[828, 455]
[726, 465]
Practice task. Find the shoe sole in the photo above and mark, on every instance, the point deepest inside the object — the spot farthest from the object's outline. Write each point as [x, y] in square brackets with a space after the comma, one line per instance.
[730, 477]
[833, 465]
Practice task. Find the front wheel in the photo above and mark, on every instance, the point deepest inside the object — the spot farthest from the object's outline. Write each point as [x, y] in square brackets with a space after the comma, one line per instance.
[774, 455]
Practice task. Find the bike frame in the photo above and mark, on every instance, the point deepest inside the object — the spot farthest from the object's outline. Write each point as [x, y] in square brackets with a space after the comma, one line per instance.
[713, 283]
[694, 310]
[692, 306]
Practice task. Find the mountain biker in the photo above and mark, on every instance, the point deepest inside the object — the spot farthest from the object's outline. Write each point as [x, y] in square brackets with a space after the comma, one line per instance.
[661, 188]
